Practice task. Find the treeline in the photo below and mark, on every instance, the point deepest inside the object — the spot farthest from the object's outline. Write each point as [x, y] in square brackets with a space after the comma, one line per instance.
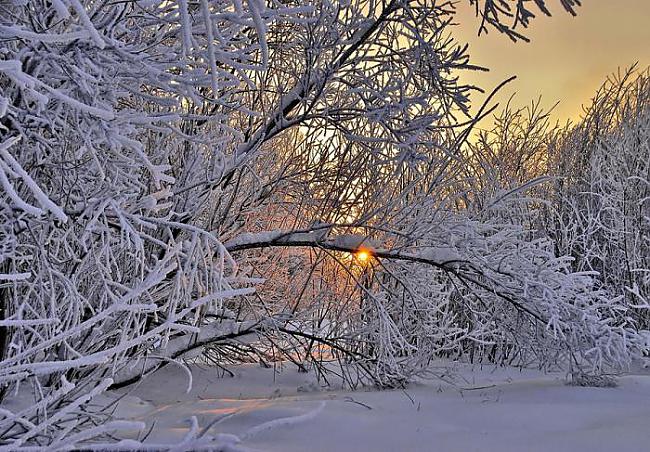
[594, 200]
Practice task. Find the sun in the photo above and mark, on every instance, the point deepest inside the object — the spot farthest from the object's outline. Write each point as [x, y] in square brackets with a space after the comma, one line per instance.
[362, 255]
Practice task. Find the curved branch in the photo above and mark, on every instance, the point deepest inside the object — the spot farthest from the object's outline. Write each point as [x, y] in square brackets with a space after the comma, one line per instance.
[179, 346]
[445, 259]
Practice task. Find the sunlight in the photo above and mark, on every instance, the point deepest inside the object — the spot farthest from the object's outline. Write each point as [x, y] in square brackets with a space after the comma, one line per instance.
[362, 255]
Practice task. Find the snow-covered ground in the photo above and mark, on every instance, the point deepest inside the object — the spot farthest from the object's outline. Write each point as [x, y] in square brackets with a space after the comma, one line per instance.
[484, 409]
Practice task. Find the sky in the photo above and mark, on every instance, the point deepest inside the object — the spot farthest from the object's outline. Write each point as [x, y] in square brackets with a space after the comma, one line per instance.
[568, 57]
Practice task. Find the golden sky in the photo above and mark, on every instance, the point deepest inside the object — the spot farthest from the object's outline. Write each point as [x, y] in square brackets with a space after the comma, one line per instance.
[568, 57]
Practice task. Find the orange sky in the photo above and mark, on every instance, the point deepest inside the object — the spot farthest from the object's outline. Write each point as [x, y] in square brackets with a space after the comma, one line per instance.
[568, 57]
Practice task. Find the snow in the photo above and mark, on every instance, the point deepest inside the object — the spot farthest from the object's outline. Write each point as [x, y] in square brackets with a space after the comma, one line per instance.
[483, 409]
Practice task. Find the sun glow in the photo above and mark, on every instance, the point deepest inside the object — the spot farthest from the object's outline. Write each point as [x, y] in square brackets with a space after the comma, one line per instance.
[362, 255]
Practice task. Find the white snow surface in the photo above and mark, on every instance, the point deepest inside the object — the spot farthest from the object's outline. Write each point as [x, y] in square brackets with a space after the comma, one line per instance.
[485, 409]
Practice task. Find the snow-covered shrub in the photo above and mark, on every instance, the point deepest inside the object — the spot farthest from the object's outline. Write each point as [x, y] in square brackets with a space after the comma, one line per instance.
[485, 291]
[587, 199]
[600, 200]
[114, 127]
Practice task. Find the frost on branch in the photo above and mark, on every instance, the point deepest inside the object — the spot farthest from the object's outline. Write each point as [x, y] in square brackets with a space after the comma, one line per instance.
[108, 111]
[468, 289]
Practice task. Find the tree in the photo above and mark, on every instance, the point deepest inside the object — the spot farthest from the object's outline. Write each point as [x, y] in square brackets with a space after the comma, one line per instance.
[601, 196]
[101, 105]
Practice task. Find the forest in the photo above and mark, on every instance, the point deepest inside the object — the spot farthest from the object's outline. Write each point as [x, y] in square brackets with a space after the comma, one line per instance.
[273, 181]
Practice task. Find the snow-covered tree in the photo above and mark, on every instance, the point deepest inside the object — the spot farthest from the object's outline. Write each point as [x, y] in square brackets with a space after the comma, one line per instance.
[371, 172]
[601, 198]
[109, 112]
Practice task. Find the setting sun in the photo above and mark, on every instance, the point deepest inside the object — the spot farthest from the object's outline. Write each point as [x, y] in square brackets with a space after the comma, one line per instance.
[362, 255]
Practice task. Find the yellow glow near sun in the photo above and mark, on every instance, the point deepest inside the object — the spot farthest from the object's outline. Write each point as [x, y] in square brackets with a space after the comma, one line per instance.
[362, 255]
